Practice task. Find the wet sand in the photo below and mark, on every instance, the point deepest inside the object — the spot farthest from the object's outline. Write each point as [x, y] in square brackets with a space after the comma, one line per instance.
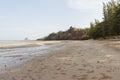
[21, 51]
[14, 44]
[73, 60]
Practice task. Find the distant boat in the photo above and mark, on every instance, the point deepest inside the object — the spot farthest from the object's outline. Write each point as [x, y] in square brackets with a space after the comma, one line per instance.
[26, 38]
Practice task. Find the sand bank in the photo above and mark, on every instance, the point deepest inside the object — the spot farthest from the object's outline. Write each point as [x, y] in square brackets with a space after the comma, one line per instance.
[73, 60]
[12, 44]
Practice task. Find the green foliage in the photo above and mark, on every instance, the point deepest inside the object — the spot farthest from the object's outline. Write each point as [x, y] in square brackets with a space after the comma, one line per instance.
[52, 36]
[96, 30]
[91, 30]
[71, 29]
[110, 25]
[99, 31]
[116, 21]
[71, 34]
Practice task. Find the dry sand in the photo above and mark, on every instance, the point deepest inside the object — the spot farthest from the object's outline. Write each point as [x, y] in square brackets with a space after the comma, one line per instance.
[75, 60]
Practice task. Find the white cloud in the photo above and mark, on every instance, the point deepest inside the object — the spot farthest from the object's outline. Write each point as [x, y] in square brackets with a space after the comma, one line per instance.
[85, 4]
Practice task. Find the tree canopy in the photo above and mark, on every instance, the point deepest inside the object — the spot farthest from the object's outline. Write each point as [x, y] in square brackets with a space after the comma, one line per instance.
[110, 26]
[71, 34]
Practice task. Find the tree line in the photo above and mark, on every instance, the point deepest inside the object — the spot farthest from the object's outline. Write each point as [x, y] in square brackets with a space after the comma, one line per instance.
[108, 27]
[70, 34]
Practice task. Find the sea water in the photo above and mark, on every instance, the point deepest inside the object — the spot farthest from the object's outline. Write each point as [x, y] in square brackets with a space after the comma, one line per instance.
[14, 56]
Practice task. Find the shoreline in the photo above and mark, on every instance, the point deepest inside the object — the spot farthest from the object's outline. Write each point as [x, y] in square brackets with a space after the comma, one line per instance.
[17, 55]
[73, 60]
[15, 44]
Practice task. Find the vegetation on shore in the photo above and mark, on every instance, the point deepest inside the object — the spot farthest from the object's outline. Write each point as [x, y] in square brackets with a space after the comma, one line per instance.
[110, 26]
[70, 34]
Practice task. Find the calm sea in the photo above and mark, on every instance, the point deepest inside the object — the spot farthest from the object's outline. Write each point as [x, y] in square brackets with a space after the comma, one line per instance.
[11, 40]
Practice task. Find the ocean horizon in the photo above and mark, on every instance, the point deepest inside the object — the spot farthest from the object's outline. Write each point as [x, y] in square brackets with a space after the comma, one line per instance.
[11, 40]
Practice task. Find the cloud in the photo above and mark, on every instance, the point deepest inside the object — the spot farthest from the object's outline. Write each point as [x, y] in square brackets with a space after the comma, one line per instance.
[85, 4]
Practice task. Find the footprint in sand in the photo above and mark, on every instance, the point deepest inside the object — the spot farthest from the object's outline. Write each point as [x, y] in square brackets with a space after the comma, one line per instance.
[84, 65]
[108, 70]
[63, 73]
[58, 68]
[90, 71]
[104, 76]
[81, 77]
[94, 77]
[13, 78]
[81, 69]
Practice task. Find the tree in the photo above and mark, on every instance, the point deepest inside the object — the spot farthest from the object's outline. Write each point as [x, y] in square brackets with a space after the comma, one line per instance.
[116, 22]
[70, 34]
[109, 10]
[91, 30]
[51, 36]
[71, 29]
[99, 31]
[96, 30]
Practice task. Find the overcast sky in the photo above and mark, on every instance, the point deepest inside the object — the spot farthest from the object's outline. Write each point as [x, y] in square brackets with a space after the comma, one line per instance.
[38, 18]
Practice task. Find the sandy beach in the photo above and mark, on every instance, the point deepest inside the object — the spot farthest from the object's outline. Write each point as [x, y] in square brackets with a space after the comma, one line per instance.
[14, 53]
[71, 60]
[13, 44]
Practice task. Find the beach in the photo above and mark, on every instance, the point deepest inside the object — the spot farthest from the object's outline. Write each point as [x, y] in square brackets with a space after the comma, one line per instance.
[68, 60]
[14, 53]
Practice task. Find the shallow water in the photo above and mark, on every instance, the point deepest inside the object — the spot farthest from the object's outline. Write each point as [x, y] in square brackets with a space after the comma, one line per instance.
[13, 56]
[11, 40]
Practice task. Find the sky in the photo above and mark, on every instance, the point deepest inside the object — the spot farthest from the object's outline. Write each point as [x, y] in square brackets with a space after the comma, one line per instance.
[37, 18]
